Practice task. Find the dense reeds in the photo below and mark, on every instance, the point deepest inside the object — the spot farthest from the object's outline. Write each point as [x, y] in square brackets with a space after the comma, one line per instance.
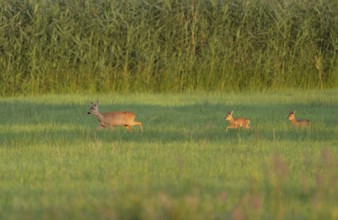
[149, 46]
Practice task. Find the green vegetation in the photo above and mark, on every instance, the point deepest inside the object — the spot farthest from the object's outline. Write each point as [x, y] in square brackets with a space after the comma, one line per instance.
[53, 165]
[57, 46]
[180, 66]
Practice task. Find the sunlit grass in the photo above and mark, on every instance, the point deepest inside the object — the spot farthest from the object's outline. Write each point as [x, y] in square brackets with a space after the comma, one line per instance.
[54, 165]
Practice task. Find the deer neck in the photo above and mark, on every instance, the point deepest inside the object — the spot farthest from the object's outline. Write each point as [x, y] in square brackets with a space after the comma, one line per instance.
[232, 121]
[294, 122]
[99, 116]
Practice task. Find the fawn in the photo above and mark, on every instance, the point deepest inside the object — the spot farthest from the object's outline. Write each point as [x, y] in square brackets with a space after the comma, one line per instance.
[297, 123]
[113, 119]
[236, 122]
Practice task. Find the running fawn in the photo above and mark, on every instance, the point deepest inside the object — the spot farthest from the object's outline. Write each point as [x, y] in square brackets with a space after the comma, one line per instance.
[297, 123]
[113, 119]
[236, 122]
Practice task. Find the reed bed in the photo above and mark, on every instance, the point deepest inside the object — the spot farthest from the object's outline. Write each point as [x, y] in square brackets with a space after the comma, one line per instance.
[57, 46]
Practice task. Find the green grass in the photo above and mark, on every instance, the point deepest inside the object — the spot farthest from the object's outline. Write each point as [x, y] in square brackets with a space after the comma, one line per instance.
[54, 165]
[54, 46]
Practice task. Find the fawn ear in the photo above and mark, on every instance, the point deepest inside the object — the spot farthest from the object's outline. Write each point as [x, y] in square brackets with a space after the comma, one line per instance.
[231, 112]
[294, 111]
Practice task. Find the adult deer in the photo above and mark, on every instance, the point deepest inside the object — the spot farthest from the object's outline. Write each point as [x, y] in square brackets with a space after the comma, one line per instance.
[113, 119]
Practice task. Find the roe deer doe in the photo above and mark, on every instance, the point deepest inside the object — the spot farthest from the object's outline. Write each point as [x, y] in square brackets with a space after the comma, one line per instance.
[236, 122]
[297, 123]
[113, 119]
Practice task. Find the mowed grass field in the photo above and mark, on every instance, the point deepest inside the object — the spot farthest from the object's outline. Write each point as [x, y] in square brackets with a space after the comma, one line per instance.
[54, 165]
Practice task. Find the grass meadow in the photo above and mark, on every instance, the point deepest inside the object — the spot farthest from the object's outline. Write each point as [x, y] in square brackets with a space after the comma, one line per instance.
[54, 165]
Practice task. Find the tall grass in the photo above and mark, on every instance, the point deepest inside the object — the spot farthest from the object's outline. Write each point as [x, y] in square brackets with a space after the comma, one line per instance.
[110, 45]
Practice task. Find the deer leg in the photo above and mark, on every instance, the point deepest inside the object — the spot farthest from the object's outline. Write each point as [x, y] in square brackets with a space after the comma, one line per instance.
[128, 127]
[99, 127]
[138, 124]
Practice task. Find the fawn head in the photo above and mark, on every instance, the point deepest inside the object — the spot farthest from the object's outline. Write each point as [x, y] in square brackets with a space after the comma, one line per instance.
[94, 108]
[228, 116]
[291, 115]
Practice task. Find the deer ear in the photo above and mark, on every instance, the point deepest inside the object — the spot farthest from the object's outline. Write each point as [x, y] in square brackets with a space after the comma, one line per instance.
[232, 112]
[294, 111]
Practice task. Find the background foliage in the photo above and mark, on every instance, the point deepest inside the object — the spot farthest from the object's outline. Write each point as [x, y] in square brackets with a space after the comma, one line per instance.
[63, 46]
